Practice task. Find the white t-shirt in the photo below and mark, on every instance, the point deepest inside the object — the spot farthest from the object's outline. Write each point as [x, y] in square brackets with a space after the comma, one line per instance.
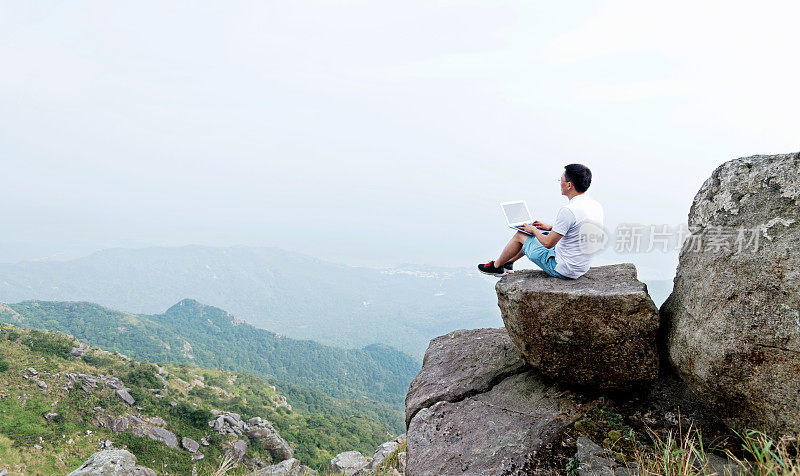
[572, 260]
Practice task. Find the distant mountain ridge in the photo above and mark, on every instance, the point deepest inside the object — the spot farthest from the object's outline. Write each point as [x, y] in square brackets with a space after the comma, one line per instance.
[293, 294]
[191, 332]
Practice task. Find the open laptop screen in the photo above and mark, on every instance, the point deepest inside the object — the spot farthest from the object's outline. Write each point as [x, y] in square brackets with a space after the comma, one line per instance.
[516, 212]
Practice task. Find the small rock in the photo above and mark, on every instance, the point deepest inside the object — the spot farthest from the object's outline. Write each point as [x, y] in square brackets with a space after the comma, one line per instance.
[594, 460]
[191, 445]
[125, 396]
[41, 384]
[50, 416]
[80, 350]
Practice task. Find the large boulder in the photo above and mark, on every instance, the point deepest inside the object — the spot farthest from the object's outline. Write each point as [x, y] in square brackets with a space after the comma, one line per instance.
[597, 331]
[112, 462]
[732, 322]
[475, 408]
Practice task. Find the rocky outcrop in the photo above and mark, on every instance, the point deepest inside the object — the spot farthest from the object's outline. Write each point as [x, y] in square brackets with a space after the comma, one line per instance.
[228, 423]
[89, 382]
[256, 427]
[597, 331]
[269, 438]
[138, 425]
[482, 413]
[732, 322]
[112, 462]
[475, 408]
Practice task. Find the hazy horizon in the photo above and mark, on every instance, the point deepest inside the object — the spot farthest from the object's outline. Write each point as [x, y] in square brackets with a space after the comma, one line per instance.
[374, 134]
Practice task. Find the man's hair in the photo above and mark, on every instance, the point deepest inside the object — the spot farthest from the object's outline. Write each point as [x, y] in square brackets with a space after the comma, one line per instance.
[579, 175]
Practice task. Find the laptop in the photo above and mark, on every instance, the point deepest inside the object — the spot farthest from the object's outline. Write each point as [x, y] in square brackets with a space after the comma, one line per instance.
[517, 214]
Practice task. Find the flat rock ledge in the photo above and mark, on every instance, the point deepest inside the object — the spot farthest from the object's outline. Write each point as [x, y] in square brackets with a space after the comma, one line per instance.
[597, 331]
[476, 408]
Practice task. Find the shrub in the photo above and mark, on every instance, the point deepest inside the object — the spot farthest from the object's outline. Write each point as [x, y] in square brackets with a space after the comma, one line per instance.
[143, 375]
[49, 344]
[3, 365]
[192, 416]
[154, 454]
[98, 360]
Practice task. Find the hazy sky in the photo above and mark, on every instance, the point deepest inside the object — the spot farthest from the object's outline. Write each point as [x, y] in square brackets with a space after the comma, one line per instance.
[374, 133]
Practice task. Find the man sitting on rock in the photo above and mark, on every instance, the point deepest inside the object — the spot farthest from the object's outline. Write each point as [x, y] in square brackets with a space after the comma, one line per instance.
[562, 252]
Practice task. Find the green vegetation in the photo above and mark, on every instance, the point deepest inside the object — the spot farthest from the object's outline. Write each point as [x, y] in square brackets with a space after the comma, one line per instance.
[683, 452]
[63, 441]
[605, 426]
[48, 344]
[372, 381]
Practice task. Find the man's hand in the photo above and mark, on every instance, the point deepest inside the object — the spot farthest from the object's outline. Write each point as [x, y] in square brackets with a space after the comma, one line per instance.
[549, 240]
[542, 226]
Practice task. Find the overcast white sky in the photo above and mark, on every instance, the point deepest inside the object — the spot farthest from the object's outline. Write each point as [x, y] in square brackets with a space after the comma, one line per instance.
[374, 133]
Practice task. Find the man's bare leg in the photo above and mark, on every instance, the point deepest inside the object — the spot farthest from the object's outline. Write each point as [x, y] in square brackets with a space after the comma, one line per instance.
[518, 256]
[512, 251]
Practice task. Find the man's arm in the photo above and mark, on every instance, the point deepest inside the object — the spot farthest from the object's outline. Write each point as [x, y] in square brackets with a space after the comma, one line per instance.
[548, 241]
[564, 220]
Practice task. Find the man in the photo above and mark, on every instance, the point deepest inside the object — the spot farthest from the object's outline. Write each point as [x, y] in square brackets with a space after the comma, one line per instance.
[561, 252]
